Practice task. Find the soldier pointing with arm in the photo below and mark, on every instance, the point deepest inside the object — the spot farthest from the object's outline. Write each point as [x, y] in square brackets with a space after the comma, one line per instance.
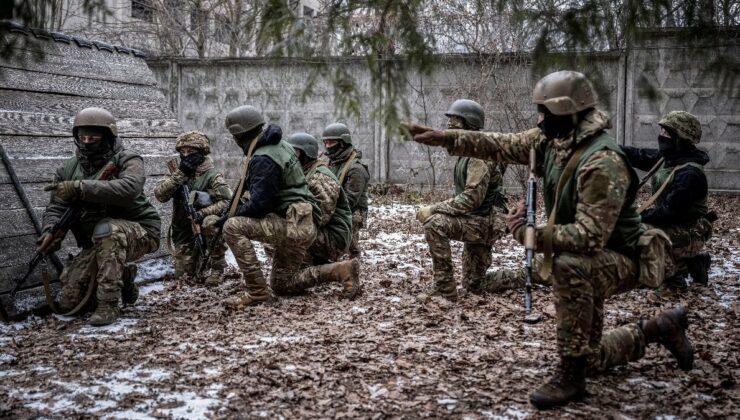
[591, 240]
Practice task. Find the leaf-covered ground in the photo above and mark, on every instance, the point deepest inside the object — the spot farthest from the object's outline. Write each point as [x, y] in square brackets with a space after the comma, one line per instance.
[178, 354]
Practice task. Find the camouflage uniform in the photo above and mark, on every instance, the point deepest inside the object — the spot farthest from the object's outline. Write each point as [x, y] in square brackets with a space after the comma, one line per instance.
[206, 179]
[355, 187]
[119, 224]
[588, 263]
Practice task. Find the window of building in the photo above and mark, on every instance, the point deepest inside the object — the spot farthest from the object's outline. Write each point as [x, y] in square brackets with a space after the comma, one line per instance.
[142, 9]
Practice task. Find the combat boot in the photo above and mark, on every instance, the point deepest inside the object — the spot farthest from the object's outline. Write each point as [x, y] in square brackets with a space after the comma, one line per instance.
[567, 384]
[214, 278]
[675, 283]
[445, 290]
[345, 272]
[129, 291]
[106, 313]
[257, 291]
[669, 330]
[699, 268]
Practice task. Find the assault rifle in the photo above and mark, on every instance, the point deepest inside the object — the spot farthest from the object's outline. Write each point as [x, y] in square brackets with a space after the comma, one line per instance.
[200, 239]
[71, 215]
[529, 238]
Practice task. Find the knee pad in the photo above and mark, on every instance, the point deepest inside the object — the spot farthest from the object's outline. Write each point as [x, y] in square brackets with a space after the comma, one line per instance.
[103, 229]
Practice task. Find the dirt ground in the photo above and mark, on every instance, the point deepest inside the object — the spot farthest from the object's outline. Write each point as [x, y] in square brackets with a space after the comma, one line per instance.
[178, 354]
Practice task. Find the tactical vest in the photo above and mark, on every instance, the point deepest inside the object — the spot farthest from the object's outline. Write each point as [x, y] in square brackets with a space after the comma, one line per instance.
[181, 230]
[698, 208]
[339, 226]
[363, 202]
[628, 227]
[138, 210]
[493, 193]
[293, 186]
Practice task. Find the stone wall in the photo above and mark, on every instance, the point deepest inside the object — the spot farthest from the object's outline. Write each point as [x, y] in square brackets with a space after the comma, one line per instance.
[202, 91]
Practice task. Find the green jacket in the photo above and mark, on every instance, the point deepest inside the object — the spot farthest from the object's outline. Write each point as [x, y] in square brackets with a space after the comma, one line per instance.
[355, 181]
[492, 188]
[337, 215]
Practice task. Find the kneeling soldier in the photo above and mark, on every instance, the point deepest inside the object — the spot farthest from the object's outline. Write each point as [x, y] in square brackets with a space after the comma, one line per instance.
[197, 172]
[118, 224]
[473, 216]
[335, 228]
[272, 205]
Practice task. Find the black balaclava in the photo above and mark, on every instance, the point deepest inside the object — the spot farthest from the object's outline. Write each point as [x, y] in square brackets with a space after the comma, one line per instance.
[93, 156]
[337, 148]
[243, 140]
[304, 159]
[556, 126]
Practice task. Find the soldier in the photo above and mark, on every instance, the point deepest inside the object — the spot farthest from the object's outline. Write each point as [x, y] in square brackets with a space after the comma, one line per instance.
[472, 216]
[345, 162]
[679, 204]
[334, 232]
[680, 208]
[195, 170]
[590, 246]
[119, 225]
[272, 204]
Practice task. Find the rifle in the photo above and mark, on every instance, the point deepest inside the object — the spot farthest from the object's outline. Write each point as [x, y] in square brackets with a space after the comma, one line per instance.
[200, 239]
[529, 238]
[57, 233]
[650, 173]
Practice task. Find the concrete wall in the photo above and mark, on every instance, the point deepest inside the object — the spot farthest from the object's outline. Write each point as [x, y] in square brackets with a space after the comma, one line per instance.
[201, 92]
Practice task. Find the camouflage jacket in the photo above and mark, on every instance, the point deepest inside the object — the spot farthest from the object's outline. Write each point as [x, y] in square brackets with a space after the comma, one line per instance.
[481, 180]
[602, 182]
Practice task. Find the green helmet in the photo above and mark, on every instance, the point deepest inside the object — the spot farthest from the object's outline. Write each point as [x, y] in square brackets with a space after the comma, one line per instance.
[470, 111]
[95, 117]
[242, 119]
[305, 142]
[685, 125]
[565, 92]
[337, 131]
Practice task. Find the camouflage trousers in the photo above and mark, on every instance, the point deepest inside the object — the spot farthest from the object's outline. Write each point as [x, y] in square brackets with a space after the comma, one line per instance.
[359, 220]
[324, 249]
[477, 234]
[291, 236]
[187, 257]
[115, 242]
[688, 241]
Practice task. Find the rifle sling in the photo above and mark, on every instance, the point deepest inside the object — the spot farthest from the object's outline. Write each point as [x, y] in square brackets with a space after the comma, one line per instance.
[243, 180]
[91, 287]
[565, 176]
[657, 194]
[345, 168]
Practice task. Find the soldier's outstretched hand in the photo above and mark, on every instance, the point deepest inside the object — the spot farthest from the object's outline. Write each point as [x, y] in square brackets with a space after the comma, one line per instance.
[415, 129]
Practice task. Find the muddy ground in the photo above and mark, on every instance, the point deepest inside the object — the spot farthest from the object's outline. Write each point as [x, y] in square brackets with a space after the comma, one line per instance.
[178, 354]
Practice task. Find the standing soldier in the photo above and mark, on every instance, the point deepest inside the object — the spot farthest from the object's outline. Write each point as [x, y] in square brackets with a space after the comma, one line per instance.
[591, 239]
[345, 162]
[472, 216]
[335, 227]
[272, 205]
[679, 202]
[118, 224]
[197, 172]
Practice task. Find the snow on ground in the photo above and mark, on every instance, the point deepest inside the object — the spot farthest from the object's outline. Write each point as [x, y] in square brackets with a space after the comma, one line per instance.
[178, 353]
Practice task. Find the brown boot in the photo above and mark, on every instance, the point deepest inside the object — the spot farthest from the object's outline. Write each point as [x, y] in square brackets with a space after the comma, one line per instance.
[445, 290]
[214, 278]
[568, 384]
[106, 313]
[129, 291]
[345, 272]
[669, 330]
[257, 291]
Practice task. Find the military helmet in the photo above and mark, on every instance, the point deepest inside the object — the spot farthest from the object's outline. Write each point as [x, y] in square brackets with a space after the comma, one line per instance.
[685, 125]
[305, 142]
[95, 117]
[242, 119]
[337, 131]
[194, 139]
[468, 110]
[565, 92]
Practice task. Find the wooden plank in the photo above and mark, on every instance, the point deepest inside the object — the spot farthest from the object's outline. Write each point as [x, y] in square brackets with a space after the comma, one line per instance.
[33, 147]
[43, 169]
[57, 58]
[42, 124]
[65, 105]
[33, 81]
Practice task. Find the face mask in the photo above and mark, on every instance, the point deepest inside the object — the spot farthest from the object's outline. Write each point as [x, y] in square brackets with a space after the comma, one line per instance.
[337, 148]
[304, 159]
[666, 145]
[91, 149]
[556, 126]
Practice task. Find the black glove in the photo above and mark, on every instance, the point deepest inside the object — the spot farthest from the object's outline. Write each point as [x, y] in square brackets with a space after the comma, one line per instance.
[198, 218]
[221, 220]
[190, 163]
